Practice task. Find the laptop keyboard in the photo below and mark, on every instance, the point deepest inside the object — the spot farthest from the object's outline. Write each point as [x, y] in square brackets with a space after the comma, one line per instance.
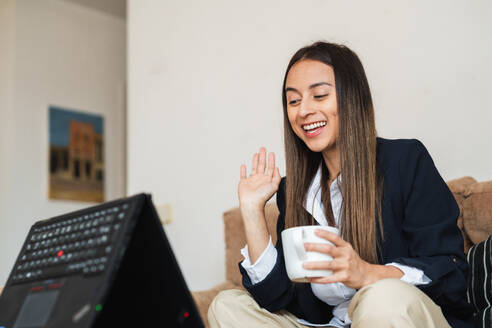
[79, 244]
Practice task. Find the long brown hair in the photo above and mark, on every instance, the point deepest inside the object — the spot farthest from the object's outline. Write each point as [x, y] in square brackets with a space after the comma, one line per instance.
[361, 183]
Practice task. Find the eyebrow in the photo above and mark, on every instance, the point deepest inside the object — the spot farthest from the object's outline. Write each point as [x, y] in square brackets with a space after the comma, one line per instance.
[310, 87]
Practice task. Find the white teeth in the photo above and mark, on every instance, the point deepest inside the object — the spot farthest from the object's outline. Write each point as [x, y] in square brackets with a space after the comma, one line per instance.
[313, 126]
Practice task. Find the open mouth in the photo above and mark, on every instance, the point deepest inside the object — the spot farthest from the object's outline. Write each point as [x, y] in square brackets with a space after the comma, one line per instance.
[313, 129]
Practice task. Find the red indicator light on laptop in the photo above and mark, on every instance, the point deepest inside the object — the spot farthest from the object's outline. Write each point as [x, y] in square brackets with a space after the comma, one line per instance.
[54, 286]
[60, 253]
[186, 314]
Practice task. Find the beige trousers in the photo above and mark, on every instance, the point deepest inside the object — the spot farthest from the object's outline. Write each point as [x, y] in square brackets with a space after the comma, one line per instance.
[384, 304]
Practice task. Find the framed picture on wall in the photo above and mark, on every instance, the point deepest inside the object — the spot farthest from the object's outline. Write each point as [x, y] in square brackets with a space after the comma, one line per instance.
[76, 155]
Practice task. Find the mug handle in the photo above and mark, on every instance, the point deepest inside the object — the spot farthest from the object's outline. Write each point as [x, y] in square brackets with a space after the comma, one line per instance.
[298, 237]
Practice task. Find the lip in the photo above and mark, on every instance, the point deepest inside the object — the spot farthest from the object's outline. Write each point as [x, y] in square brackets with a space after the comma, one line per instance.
[314, 133]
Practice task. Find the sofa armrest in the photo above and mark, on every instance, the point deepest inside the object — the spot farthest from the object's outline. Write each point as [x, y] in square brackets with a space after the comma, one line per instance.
[205, 297]
[477, 211]
[458, 187]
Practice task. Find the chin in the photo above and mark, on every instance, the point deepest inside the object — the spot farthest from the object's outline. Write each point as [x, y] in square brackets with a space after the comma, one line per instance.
[316, 147]
[319, 146]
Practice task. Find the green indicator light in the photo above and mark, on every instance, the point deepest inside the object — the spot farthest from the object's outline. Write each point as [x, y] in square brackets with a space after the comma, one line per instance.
[99, 307]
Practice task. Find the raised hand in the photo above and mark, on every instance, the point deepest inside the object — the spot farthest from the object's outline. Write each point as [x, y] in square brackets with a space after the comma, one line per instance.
[257, 188]
[254, 191]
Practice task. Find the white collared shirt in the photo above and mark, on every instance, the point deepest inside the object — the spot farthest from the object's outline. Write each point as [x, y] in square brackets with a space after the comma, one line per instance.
[334, 294]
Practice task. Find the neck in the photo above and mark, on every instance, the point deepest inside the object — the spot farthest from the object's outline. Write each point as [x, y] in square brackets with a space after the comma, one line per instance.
[332, 162]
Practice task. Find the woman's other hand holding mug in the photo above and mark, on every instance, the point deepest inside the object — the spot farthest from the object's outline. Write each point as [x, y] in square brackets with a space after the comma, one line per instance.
[347, 266]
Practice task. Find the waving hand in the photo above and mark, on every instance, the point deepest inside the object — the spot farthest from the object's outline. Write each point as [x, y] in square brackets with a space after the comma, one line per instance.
[257, 188]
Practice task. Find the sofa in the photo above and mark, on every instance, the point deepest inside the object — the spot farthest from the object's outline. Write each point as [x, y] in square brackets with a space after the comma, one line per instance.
[475, 222]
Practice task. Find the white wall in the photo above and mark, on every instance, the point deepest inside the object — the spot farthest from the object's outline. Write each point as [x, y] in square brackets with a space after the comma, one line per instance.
[7, 61]
[205, 84]
[69, 56]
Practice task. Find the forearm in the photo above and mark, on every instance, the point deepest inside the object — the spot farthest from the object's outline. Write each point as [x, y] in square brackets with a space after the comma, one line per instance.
[256, 230]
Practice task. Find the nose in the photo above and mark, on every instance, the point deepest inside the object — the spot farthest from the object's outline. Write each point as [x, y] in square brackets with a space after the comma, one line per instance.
[306, 108]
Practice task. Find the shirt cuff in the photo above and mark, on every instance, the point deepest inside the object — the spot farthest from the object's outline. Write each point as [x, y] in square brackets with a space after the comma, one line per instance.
[334, 293]
[263, 265]
[412, 275]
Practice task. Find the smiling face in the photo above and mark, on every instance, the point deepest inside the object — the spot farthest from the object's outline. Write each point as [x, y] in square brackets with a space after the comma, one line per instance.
[312, 107]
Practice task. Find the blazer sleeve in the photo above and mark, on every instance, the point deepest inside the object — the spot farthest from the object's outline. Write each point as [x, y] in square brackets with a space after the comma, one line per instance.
[276, 292]
[435, 244]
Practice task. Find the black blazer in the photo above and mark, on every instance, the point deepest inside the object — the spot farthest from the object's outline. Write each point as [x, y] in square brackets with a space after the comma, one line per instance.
[419, 216]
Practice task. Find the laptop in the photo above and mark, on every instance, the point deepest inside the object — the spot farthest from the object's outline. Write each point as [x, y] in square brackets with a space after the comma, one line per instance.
[110, 265]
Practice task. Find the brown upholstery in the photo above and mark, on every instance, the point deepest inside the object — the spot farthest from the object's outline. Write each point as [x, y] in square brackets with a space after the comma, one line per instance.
[477, 211]
[234, 240]
[458, 187]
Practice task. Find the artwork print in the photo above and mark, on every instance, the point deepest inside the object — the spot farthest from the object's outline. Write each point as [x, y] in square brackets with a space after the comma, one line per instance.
[76, 155]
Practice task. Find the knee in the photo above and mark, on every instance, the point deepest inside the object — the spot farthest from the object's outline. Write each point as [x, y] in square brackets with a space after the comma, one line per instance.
[222, 303]
[383, 300]
[390, 292]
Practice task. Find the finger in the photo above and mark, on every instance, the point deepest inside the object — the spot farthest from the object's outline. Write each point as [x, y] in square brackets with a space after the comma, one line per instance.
[254, 164]
[324, 265]
[317, 280]
[261, 161]
[276, 176]
[323, 248]
[330, 236]
[321, 280]
[271, 164]
[340, 276]
[243, 172]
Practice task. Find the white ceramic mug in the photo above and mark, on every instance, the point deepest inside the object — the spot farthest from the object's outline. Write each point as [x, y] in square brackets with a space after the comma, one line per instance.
[295, 254]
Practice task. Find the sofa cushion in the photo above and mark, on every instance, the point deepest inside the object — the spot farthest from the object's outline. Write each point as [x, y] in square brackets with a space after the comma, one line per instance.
[480, 283]
[477, 211]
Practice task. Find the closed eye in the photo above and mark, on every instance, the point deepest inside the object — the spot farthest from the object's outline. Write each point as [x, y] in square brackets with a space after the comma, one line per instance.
[293, 102]
[320, 96]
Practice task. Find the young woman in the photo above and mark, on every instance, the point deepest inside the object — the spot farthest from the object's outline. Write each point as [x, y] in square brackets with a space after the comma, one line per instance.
[398, 261]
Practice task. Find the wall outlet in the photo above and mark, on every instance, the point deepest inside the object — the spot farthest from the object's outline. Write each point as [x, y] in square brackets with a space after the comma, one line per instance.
[165, 212]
